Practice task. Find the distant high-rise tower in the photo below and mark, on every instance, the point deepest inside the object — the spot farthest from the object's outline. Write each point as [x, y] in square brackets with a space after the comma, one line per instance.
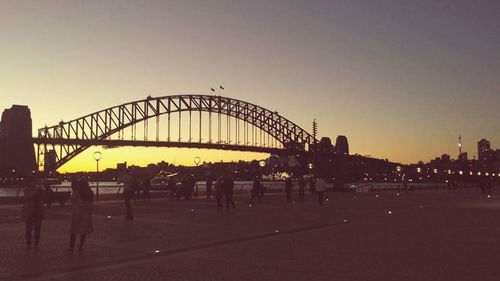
[341, 145]
[459, 145]
[483, 148]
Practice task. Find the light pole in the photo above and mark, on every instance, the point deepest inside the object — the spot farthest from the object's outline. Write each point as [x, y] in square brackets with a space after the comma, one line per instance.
[97, 156]
[262, 164]
[197, 161]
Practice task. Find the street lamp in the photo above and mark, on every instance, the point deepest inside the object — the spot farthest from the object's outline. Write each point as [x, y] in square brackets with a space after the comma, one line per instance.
[262, 164]
[197, 161]
[97, 156]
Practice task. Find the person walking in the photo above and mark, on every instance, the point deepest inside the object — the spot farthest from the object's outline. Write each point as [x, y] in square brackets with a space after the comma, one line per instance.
[128, 192]
[81, 215]
[320, 189]
[209, 187]
[33, 213]
[302, 187]
[288, 189]
[219, 193]
[228, 186]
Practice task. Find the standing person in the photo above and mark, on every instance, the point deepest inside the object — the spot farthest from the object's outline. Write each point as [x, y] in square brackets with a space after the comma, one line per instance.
[219, 193]
[320, 189]
[48, 194]
[288, 189]
[81, 219]
[33, 213]
[146, 186]
[209, 187]
[256, 189]
[302, 187]
[171, 187]
[228, 186]
[128, 192]
[312, 185]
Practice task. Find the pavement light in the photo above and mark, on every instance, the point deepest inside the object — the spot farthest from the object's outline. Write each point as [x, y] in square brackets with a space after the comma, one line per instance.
[389, 212]
[109, 217]
[192, 210]
[397, 194]
[376, 195]
[345, 220]
[276, 231]
[326, 199]
[489, 196]
[421, 207]
[250, 205]
[157, 251]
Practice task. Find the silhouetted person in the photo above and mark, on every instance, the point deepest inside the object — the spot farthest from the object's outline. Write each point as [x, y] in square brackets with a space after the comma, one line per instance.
[81, 215]
[128, 192]
[209, 187]
[33, 213]
[256, 190]
[48, 195]
[228, 186]
[146, 187]
[302, 187]
[171, 187]
[320, 189]
[312, 185]
[219, 193]
[288, 189]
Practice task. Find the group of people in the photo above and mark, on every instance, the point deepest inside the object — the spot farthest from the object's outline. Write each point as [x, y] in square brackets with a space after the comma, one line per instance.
[316, 185]
[33, 213]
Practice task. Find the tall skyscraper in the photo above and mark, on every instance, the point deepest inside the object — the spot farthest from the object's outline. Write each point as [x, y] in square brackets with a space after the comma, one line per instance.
[483, 149]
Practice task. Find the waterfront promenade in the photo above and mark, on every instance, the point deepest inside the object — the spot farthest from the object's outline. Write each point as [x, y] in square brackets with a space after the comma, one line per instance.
[421, 235]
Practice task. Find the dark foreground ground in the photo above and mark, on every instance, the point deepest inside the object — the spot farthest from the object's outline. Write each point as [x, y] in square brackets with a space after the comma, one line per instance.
[434, 235]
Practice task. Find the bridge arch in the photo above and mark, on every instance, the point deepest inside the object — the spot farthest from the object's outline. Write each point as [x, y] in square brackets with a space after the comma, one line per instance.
[64, 141]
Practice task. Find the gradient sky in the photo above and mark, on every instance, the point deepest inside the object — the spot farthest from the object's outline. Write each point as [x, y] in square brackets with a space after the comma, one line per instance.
[401, 79]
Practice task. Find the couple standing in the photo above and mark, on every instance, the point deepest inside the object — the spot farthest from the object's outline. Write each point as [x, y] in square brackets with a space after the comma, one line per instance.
[81, 219]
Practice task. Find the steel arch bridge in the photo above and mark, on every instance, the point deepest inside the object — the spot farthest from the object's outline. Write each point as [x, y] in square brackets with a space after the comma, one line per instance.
[225, 123]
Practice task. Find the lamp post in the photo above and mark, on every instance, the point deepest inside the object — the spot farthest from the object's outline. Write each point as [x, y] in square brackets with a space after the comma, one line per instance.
[97, 156]
[197, 161]
[262, 164]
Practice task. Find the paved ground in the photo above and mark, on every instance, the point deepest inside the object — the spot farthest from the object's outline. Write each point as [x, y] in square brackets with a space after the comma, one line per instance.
[438, 235]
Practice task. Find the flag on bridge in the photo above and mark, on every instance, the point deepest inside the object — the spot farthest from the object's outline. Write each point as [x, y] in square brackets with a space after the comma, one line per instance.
[212, 89]
[222, 88]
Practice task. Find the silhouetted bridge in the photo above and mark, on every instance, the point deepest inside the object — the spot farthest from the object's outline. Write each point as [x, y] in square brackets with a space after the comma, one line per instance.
[192, 121]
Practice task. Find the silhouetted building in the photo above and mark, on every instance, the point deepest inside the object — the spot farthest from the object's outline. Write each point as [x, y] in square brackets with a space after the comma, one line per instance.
[49, 163]
[121, 166]
[483, 149]
[463, 156]
[17, 153]
[445, 157]
[341, 145]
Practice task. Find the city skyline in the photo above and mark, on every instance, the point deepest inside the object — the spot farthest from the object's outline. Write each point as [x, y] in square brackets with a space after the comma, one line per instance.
[400, 80]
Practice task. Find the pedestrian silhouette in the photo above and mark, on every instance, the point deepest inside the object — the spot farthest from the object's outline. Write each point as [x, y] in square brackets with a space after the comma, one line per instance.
[81, 213]
[33, 213]
[209, 187]
[302, 187]
[228, 186]
[288, 189]
[219, 193]
[128, 191]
